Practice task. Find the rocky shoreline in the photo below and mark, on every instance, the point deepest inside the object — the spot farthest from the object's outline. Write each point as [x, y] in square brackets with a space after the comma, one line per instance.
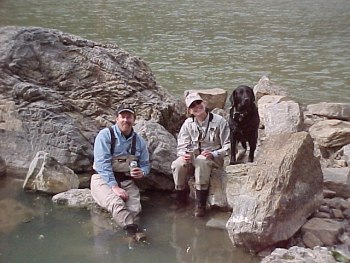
[58, 91]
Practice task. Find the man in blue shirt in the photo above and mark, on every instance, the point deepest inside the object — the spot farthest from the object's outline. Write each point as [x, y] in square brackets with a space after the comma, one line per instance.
[113, 186]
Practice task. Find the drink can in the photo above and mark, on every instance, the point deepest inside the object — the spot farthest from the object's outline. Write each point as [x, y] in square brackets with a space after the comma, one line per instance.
[190, 152]
[132, 165]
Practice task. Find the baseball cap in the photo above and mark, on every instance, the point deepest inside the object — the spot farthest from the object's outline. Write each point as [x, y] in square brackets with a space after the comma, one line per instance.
[190, 98]
[123, 108]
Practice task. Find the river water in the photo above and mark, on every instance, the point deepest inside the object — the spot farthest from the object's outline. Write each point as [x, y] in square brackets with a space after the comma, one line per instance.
[32, 229]
[302, 46]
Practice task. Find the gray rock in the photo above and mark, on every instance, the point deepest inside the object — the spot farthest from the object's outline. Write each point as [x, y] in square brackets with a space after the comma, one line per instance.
[162, 147]
[328, 193]
[300, 255]
[218, 221]
[331, 133]
[267, 87]
[310, 240]
[281, 191]
[340, 111]
[337, 213]
[346, 213]
[326, 230]
[337, 203]
[81, 198]
[237, 176]
[282, 117]
[218, 182]
[266, 101]
[58, 90]
[337, 180]
[346, 152]
[47, 175]
[322, 215]
[214, 98]
[2, 167]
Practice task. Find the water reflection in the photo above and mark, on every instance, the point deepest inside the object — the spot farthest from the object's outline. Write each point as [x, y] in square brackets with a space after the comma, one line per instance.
[59, 234]
[195, 243]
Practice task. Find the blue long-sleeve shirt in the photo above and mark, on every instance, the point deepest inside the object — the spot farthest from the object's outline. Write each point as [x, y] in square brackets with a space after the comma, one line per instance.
[103, 157]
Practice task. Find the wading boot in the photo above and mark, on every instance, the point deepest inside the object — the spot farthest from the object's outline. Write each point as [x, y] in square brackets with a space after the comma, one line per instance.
[201, 202]
[181, 198]
[134, 235]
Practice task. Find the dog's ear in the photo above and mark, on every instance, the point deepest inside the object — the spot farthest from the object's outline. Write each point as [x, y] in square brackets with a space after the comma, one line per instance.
[231, 112]
[232, 98]
[252, 94]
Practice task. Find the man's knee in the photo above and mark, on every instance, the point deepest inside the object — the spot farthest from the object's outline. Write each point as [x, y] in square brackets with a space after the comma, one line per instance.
[179, 169]
[202, 161]
[95, 178]
[135, 209]
[178, 164]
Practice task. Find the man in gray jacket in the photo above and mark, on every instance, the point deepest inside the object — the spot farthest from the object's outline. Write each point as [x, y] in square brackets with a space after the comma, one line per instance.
[203, 142]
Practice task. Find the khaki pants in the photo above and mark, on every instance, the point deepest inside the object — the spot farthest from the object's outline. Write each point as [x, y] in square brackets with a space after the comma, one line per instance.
[124, 213]
[202, 170]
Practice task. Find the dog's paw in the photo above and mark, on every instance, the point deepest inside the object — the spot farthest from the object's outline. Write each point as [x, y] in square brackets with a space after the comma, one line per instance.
[233, 163]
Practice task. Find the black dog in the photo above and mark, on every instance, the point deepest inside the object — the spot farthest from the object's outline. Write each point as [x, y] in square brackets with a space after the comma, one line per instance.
[244, 121]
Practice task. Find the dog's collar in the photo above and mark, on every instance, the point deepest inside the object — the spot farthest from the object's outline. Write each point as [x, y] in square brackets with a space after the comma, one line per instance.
[239, 115]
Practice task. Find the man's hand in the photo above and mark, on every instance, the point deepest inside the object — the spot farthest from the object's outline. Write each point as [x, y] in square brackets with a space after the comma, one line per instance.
[136, 173]
[120, 192]
[187, 158]
[207, 154]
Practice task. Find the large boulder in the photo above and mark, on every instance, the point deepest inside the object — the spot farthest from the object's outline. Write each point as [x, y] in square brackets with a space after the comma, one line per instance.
[58, 90]
[45, 174]
[237, 175]
[162, 147]
[278, 194]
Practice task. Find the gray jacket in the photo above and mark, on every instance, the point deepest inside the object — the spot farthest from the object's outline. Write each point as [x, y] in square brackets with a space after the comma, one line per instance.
[216, 136]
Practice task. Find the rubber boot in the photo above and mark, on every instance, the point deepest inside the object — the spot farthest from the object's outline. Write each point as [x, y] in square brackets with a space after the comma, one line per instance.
[134, 235]
[130, 231]
[181, 198]
[201, 202]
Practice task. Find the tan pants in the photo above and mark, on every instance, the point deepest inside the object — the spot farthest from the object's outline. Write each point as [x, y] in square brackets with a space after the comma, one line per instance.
[202, 170]
[124, 213]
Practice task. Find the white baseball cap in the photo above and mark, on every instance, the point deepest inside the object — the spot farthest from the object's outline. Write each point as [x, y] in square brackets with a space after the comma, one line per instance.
[192, 97]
